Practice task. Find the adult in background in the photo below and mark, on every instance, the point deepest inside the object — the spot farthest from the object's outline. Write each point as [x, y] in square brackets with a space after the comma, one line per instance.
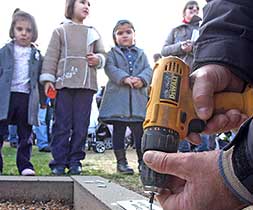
[181, 38]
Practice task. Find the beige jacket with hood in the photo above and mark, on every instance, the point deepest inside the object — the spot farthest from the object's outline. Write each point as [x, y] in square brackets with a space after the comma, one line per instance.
[65, 62]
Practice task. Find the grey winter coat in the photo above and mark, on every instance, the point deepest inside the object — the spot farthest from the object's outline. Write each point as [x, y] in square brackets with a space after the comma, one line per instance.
[183, 32]
[6, 72]
[120, 102]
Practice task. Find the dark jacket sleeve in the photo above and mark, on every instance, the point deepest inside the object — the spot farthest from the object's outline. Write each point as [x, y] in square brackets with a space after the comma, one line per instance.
[236, 164]
[226, 37]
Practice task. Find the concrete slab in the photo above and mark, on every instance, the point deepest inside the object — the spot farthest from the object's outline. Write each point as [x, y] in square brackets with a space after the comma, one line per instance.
[101, 194]
[84, 192]
[36, 188]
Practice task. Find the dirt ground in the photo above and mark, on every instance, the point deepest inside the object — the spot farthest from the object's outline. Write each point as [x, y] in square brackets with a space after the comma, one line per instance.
[107, 160]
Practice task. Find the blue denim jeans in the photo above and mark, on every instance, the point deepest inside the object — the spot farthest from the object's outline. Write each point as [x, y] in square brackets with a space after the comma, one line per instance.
[41, 130]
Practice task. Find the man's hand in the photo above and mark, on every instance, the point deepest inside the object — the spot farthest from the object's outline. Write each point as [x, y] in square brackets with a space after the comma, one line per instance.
[196, 183]
[207, 81]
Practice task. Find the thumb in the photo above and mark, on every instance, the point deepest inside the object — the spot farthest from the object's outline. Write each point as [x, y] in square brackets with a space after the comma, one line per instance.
[202, 93]
[168, 163]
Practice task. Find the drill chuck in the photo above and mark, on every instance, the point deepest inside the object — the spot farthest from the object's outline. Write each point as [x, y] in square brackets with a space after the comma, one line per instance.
[159, 139]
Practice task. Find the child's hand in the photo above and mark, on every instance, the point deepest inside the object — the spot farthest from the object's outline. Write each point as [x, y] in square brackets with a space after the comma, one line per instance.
[47, 86]
[137, 82]
[92, 59]
[128, 81]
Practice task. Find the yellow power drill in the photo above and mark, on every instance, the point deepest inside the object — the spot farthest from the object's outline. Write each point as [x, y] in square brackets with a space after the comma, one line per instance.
[171, 117]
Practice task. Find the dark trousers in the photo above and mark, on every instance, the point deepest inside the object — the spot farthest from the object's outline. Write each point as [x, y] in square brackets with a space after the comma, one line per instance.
[119, 129]
[18, 114]
[72, 117]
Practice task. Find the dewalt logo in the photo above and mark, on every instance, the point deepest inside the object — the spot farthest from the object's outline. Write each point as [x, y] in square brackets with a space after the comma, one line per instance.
[170, 86]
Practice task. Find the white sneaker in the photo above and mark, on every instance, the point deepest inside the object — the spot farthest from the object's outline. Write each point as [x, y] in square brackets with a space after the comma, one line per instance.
[28, 172]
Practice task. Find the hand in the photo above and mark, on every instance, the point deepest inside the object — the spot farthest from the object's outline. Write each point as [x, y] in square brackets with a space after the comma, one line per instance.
[137, 82]
[186, 46]
[196, 183]
[92, 59]
[47, 86]
[128, 81]
[208, 80]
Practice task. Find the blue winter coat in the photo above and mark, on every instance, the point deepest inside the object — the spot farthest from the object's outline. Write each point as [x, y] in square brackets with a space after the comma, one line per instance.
[120, 102]
[6, 73]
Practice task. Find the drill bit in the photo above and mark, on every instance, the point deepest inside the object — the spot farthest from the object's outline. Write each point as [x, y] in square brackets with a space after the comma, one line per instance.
[151, 200]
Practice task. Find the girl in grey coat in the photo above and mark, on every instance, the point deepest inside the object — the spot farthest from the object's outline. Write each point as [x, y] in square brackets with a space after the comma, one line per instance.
[20, 65]
[125, 98]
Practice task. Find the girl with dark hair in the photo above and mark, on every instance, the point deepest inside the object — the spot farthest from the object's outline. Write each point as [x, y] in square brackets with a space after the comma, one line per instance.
[20, 65]
[125, 98]
[74, 54]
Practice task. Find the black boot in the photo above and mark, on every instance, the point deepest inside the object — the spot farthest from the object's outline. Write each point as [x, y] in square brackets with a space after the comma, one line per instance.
[122, 165]
[140, 161]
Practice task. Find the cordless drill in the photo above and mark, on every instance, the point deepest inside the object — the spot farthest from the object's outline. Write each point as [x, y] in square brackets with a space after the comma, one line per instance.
[171, 117]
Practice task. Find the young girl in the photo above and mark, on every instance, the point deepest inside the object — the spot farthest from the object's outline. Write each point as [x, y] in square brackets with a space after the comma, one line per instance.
[124, 102]
[20, 65]
[74, 54]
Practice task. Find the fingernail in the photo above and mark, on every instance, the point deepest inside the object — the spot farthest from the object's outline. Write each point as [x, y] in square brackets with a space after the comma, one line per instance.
[203, 112]
[148, 157]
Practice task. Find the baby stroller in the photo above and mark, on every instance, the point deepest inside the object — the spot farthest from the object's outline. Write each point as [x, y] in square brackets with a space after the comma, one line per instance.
[104, 133]
[97, 144]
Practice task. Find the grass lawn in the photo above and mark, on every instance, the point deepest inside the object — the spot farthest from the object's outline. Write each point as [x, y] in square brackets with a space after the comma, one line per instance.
[95, 164]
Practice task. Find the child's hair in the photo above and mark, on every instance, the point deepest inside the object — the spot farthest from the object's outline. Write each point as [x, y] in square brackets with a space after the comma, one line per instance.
[21, 15]
[69, 8]
[120, 23]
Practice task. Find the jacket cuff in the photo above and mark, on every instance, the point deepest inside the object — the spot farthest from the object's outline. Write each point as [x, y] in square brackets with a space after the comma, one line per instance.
[101, 61]
[236, 164]
[47, 78]
[231, 181]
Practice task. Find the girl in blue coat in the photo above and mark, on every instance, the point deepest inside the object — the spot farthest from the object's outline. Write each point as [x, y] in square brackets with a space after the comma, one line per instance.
[20, 65]
[124, 102]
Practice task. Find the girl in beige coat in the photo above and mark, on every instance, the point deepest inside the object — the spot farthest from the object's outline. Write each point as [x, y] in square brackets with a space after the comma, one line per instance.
[74, 54]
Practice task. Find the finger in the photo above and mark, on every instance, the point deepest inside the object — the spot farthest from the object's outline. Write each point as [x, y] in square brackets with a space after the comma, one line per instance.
[169, 201]
[235, 119]
[169, 163]
[224, 122]
[52, 86]
[46, 87]
[217, 124]
[194, 138]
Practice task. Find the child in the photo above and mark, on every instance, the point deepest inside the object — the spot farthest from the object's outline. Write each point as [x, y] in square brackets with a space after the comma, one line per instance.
[74, 54]
[124, 102]
[20, 65]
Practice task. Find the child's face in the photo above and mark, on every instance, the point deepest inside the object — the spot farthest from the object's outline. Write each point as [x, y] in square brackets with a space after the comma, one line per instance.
[125, 35]
[81, 10]
[23, 33]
